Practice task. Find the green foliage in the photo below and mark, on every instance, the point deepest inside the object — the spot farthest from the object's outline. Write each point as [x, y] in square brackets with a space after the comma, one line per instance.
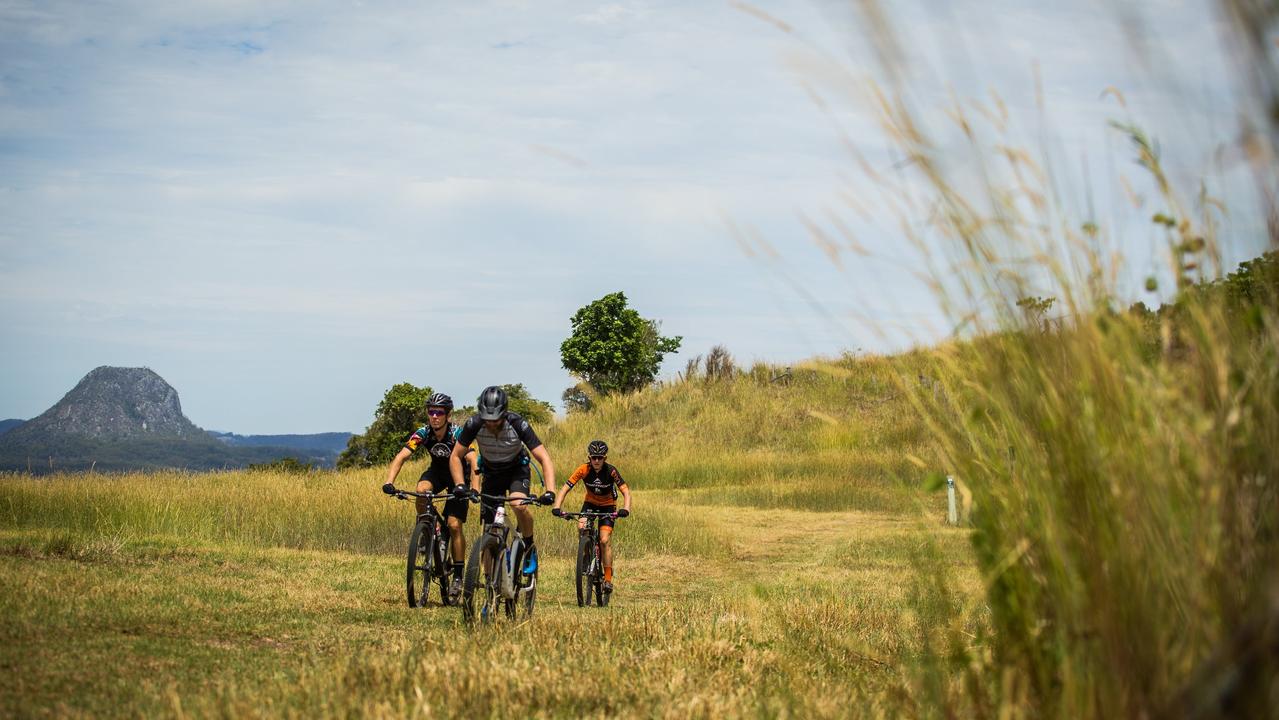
[402, 410]
[614, 349]
[519, 400]
[577, 398]
[1036, 308]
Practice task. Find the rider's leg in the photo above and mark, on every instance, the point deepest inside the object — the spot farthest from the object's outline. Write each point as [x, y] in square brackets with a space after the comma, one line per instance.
[423, 486]
[523, 515]
[457, 543]
[606, 550]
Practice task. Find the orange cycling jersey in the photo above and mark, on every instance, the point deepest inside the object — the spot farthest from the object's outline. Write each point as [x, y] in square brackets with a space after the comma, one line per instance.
[601, 487]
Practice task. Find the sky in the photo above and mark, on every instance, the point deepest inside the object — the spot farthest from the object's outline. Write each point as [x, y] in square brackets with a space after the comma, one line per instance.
[284, 208]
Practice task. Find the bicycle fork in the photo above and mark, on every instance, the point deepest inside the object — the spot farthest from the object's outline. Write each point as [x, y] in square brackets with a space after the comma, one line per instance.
[512, 580]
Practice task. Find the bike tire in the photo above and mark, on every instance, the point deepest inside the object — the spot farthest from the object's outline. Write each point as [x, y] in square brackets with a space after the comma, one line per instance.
[508, 606]
[597, 577]
[442, 566]
[584, 552]
[478, 593]
[418, 569]
[525, 593]
[528, 597]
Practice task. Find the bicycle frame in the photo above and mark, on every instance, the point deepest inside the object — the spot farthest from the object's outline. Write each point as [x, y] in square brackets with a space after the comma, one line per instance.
[504, 581]
[430, 561]
[594, 570]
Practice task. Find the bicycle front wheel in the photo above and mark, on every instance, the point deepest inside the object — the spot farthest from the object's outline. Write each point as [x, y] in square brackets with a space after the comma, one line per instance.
[420, 566]
[597, 576]
[526, 594]
[479, 597]
[443, 567]
[585, 551]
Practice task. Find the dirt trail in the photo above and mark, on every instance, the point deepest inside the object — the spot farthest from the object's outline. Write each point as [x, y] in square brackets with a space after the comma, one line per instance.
[766, 543]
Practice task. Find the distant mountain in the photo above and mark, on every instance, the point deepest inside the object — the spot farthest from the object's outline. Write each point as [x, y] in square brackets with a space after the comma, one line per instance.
[125, 419]
[7, 425]
[324, 447]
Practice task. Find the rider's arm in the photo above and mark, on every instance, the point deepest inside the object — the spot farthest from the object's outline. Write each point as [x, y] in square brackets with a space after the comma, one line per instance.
[573, 479]
[465, 436]
[626, 496]
[455, 464]
[396, 464]
[548, 468]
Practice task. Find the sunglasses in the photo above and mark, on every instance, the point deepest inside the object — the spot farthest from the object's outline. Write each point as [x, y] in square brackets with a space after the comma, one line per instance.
[597, 457]
[437, 413]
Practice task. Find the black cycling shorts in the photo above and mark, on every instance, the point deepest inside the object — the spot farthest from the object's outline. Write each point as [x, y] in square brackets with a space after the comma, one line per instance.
[452, 507]
[604, 521]
[513, 479]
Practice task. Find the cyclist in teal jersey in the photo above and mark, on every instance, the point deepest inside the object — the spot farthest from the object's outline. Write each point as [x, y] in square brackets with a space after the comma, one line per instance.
[438, 436]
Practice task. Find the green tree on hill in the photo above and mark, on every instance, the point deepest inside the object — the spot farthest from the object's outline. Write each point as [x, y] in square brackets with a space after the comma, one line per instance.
[614, 349]
[402, 410]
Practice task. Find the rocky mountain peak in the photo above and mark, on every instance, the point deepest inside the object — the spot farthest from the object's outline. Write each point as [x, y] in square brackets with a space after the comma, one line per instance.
[116, 403]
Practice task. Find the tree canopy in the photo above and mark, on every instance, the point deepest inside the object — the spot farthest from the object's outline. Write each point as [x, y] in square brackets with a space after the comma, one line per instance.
[402, 410]
[614, 349]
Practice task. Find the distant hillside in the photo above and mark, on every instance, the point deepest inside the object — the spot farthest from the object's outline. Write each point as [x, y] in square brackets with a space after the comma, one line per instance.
[7, 425]
[320, 448]
[123, 419]
[322, 442]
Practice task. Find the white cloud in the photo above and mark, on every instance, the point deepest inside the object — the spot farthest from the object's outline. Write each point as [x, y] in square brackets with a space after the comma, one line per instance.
[317, 192]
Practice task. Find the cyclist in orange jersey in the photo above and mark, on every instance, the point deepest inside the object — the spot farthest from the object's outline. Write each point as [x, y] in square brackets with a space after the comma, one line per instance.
[603, 482]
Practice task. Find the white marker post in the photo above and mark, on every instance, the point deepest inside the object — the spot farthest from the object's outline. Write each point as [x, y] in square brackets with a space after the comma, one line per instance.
[952, 512]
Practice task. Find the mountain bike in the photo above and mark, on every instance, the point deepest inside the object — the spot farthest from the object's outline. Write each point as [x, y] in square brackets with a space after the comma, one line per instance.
[428, 558]
[590, 558]
[495, 574]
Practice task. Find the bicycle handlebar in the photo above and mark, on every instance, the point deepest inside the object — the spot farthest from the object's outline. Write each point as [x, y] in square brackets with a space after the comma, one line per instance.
[590, 513]
[509, 499]
[429, 497]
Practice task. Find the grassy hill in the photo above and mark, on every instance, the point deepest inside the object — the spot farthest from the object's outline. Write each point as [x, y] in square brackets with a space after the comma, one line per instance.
[767, 568]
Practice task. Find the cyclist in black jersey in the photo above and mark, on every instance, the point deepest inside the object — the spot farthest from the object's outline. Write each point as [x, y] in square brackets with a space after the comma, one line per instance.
[505, 441]
[439, 437]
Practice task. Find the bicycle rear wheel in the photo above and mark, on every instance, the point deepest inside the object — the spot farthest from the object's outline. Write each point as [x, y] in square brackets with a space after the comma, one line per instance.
[585, 552]
[420, 566]
[479, 597]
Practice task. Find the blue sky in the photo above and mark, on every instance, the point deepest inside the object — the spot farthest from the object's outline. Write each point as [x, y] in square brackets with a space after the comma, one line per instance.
[284, 208]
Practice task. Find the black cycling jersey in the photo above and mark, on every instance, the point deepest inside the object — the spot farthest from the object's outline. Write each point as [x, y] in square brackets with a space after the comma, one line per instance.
[439, 449]
[502, 450]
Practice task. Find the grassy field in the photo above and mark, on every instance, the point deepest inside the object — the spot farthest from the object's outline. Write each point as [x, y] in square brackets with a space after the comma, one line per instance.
[785, 558]
[772, 568]
[255, 594]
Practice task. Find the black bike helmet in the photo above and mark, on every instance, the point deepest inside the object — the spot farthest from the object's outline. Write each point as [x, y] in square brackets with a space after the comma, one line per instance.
[440, 400]
[491, 404]
[597, 448]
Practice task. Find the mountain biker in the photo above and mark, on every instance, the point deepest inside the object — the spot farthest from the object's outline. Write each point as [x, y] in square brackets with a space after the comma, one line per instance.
[439, 436]
[602, 483]
[502, 437]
